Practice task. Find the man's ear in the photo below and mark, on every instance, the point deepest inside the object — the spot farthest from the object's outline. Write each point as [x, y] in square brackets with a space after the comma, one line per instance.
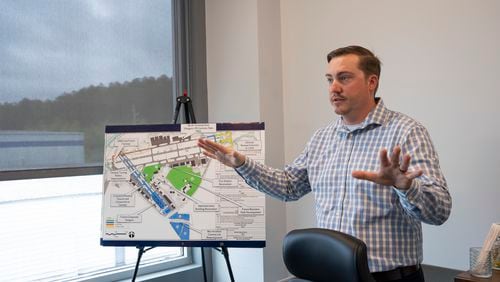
[372, 82]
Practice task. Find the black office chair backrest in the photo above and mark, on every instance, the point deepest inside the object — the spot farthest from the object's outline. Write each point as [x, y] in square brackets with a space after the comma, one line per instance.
[323, 255]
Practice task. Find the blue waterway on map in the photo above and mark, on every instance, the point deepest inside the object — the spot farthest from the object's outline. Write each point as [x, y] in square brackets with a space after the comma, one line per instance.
[180, 228]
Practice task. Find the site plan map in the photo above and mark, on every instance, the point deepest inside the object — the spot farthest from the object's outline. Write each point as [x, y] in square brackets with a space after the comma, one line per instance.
[159, 188]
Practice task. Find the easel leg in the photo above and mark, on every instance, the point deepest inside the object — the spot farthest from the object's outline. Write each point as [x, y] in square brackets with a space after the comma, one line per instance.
[226, 256]
[203, 264]
[177, 110]
[190, 111]
[139, 255]
[142, 250]
[186, 113]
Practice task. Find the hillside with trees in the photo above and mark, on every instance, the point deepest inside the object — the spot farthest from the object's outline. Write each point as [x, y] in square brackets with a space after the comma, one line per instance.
[144, 100]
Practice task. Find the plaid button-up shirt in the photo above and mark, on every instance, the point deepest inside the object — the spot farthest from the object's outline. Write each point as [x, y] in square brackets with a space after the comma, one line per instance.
[386, 219]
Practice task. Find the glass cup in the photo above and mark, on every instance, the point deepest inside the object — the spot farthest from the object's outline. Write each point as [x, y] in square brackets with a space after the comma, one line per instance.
[495, 257]
[480, 264]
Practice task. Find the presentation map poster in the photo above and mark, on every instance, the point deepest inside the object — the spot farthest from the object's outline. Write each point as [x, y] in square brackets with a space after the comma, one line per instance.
[159, 189]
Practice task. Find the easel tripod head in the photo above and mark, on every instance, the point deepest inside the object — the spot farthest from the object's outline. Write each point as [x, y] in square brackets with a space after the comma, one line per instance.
[188, 108]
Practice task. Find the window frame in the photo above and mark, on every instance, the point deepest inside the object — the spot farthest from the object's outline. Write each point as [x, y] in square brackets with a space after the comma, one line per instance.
[189, 73]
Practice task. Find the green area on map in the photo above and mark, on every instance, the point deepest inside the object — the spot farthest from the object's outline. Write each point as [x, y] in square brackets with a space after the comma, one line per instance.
[183, 178]
[149, 171]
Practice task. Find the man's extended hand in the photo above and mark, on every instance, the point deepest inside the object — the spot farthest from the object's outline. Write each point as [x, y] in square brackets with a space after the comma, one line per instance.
[391, 172]
[219, 152]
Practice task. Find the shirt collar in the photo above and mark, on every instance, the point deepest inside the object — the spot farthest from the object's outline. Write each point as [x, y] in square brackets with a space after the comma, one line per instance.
[378, 116]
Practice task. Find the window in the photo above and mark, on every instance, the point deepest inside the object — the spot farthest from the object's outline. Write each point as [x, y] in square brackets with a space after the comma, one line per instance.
[53, 225]
[68, 69]
[71, 67]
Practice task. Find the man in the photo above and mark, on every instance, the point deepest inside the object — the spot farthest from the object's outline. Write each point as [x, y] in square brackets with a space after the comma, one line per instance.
[358, 188]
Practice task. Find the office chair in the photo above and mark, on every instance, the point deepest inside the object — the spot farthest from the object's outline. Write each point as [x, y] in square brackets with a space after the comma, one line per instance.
[323, 255]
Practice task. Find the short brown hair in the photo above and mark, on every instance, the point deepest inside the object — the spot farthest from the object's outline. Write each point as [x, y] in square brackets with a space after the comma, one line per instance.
[368, 62]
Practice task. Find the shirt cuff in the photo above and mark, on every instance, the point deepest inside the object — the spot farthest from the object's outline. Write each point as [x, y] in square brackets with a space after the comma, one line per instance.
[411, 193]
[246, 168]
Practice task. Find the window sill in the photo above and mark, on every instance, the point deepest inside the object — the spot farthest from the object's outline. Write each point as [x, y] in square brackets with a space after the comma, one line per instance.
[190, 272]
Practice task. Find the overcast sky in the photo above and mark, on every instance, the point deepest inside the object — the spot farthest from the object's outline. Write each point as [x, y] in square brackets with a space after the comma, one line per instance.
[48, 47]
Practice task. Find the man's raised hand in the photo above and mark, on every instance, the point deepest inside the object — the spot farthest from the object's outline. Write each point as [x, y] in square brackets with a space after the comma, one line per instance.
[219, 152]
[391, 172]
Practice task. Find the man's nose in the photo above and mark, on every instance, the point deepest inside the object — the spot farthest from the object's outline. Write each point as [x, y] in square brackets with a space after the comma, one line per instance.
[335, 87]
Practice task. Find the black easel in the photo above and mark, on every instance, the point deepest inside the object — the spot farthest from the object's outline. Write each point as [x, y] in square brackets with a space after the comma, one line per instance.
[189, 118]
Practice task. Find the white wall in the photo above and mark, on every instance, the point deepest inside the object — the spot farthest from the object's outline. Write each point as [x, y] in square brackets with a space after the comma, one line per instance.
[244, 84]
[440, 65]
